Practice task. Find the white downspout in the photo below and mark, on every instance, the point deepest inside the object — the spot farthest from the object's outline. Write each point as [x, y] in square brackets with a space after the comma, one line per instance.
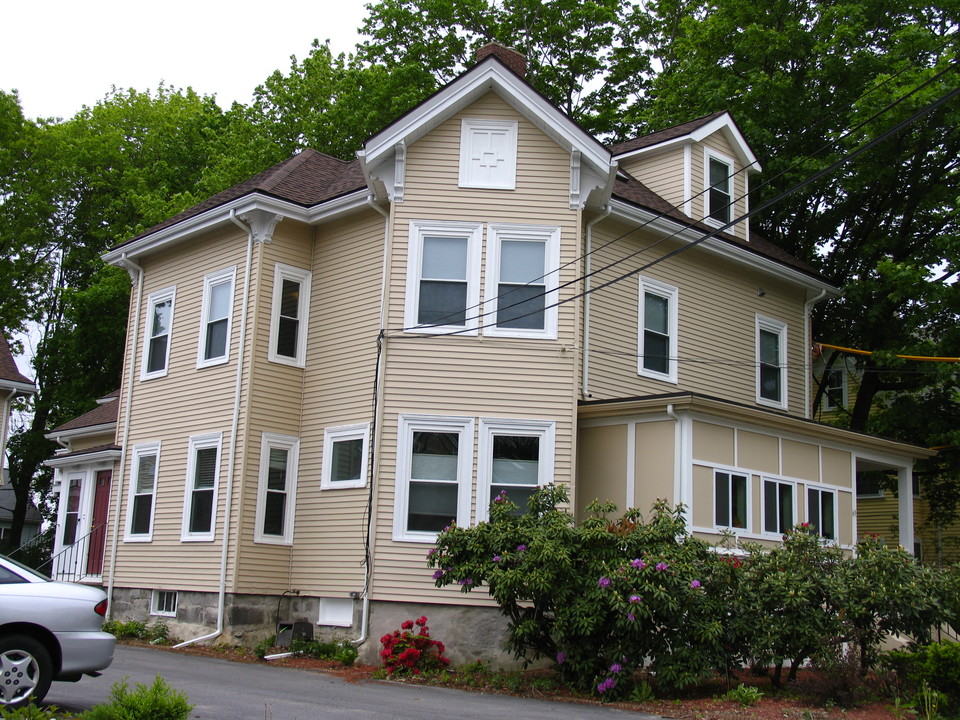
[588, 255]
[681, 486]
[5, 426]
[807, 345]
[372, 527]
[131, 267]
[234, 431]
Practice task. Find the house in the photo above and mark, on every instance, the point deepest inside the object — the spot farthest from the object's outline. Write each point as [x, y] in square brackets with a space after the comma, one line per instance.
[332, 361]
[13, 384]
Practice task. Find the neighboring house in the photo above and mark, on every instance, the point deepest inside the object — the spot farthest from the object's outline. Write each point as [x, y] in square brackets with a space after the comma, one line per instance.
[13, 384]
[83, 474]
[31, 522]
[332, 361]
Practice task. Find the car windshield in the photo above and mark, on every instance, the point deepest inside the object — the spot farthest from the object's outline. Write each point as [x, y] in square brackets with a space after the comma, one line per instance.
[17, 569]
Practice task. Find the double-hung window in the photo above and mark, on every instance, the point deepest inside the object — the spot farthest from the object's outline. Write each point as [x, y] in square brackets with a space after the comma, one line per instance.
[200, 501]
[156, 340]
[777, 506]
[730, 500]
[835, 392]
[214, 345]
[276, 496]
[434, 464]
[345, 453]
[822, 512]
[515, 458]
[719, 192]
[443, 277]
[771, 362]
[288, 319]
[143, 491]
[522, 268]
[658, 330]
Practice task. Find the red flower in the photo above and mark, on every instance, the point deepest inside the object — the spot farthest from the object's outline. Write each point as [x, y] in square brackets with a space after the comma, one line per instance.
[407, 625]
[422, 620]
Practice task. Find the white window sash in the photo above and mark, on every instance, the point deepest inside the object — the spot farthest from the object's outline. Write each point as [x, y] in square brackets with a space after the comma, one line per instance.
[209, 441]
[227, 276]
[304, 278]
[490, 428]
[780, 330]
[155, 300]
[708, 155]
[344, 433]
[141, 451]
[672, 295]
[291, 445]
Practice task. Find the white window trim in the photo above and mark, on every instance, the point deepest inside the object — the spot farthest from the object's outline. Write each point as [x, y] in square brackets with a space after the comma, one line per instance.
[836, 510]
[828, 404]
[154, 299]
[154, 603]
[407, 425]
[152, 448]
[508, 173]
[748, 529]
[780, 328]
[708, 155]
[200, 442]
[473, 232]
[672, 295]
[304, 277]
[335, 612]
[550, 237]
[763, 504]
[292, 445]
[227, 275]
[339, 434]
[546, 430]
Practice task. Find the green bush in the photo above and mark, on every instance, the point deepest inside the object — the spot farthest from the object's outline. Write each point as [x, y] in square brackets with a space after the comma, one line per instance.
[743, 694]
[342, 652]
[29, 712]
[157, 702]
[263, 646]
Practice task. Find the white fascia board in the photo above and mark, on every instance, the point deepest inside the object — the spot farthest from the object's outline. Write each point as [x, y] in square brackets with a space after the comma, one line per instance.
[661, 225]
[468, 88]
[220, 215]
[725, 123]
[82, 431]
[91, 458]
[21, 388]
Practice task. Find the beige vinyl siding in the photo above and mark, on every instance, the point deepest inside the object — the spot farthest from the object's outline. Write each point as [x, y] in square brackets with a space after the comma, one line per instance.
[662, 172]
[275, 395]
[187, 401]
[338, 390]
[478, 377]
[89, 441]
[717, 310]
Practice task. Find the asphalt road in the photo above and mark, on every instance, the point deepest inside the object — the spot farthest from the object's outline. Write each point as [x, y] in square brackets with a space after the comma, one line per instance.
[224, 690]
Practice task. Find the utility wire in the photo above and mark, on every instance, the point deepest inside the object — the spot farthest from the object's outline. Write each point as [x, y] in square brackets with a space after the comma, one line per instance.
[714, 233]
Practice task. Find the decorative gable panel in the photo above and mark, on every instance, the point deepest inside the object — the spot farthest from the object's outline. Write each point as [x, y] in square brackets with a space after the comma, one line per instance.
[488, 154]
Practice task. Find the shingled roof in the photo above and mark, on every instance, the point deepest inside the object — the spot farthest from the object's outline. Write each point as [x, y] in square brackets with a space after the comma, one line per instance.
[9, 372]
[670, 133]
[104, 414]
[308, 178]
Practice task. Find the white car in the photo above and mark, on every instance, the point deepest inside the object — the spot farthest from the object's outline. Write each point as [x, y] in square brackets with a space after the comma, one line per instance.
[48, 631]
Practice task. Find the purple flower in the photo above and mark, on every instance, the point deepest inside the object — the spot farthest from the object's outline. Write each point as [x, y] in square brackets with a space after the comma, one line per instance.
[447, 529]
[615, 668]
[502, 497]
[638, 563]
[497, 558]
[521, 548]
[438, 574]
[635, 599]
[430, 553]
[661, 566]
[604, 582]
[630, 617]
[607, 684]
[694, 584]
[467, 581]
[561, 656]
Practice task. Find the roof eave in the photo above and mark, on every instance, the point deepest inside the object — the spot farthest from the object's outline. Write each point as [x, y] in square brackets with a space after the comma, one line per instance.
[98, 429]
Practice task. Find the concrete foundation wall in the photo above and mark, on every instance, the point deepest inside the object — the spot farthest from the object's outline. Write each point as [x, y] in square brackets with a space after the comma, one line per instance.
[469, 633]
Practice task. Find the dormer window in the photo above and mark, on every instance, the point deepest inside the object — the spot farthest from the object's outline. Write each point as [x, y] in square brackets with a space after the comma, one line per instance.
[488, 154]
[719, 196]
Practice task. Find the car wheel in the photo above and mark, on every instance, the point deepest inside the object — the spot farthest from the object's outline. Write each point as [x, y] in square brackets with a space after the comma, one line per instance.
[25, 671]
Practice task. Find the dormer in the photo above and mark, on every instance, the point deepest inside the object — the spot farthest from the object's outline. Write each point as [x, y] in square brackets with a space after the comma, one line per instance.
[488, 147]
[701, 167]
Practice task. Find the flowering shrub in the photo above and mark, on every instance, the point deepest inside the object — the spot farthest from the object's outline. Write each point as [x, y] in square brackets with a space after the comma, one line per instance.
[407, 652]
[605, 597]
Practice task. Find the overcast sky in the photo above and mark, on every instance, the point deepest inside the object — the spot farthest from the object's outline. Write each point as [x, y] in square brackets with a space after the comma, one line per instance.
[63, 54]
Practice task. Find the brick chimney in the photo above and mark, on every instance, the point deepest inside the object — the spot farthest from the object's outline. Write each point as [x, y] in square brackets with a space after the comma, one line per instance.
[515, 61]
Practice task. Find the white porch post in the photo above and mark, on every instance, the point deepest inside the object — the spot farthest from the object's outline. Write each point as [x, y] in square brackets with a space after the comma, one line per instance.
[905, 486]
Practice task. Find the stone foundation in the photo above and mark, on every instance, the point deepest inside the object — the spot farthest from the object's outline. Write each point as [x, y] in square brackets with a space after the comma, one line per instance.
[469, 633]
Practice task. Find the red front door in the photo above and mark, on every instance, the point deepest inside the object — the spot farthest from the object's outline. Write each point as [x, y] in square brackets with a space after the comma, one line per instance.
[98, 526]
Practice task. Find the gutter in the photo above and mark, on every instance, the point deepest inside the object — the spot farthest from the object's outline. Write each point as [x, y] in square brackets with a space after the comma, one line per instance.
[131, 268]
[807, 345]
[234, 431]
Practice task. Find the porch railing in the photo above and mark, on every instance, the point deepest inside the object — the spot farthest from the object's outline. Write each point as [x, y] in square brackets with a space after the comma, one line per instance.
[36, 551]
[74, 563]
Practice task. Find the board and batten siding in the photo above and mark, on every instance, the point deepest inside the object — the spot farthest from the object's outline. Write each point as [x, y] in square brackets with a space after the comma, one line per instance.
[187, 401]
[478, 376]
[717, 309]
